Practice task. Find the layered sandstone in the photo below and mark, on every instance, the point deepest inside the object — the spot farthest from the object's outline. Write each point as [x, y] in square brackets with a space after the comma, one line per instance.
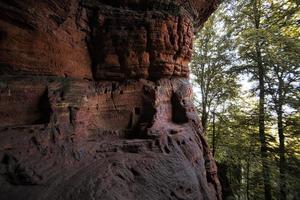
[95, 101]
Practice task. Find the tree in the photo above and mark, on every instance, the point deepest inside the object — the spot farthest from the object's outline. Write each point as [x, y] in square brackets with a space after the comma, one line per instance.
[282, 56]
[210, 64]
[251, 50]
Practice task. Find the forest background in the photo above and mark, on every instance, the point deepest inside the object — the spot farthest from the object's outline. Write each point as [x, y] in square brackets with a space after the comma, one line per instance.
[246, 78]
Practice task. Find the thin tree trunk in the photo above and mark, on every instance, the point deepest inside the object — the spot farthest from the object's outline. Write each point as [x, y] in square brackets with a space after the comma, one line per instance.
[248, 170]
[262, 137]
[261, 76]
[247, 179]
[204, 117]
[282, 182]
[248, 176]
[214, 135]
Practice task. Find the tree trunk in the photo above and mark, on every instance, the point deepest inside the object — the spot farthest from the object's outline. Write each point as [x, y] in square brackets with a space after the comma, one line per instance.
[204, 117]
[247, 178]
[282, 181]
[214, 135]
[262, 137]
[261, 76]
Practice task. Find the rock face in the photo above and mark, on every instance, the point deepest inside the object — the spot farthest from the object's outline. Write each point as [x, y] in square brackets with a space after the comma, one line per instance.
[95, 101]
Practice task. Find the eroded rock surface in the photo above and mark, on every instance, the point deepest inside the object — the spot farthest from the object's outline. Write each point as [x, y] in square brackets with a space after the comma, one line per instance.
[95, 101]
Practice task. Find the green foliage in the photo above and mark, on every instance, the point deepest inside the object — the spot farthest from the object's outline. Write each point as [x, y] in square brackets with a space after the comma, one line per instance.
[210, 66]
[225, 50]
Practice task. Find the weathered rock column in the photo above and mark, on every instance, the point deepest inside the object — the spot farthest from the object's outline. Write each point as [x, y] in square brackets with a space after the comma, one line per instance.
[95, 101]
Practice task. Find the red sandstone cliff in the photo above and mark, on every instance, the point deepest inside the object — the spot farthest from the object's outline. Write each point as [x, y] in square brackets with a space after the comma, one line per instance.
[95, 101]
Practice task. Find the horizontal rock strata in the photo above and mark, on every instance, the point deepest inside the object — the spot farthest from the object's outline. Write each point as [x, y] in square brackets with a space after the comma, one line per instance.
[95, 101]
